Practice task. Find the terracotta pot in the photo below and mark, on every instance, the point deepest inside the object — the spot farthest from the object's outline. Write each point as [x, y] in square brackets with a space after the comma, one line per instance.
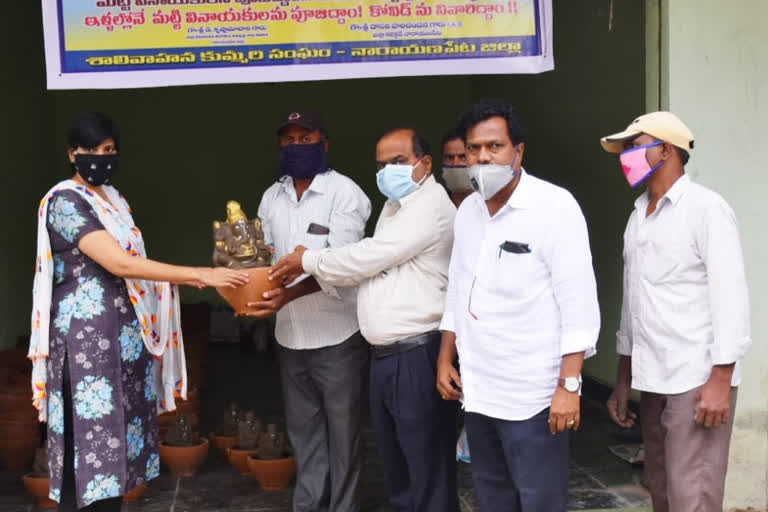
[223, 442]
[275, 474]
[135, 493]
[38, 487]
[184, 461]
[239, 297]
[239, 458]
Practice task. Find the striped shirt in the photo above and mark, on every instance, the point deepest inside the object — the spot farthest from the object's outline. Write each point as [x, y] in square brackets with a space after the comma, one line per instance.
[331, 213]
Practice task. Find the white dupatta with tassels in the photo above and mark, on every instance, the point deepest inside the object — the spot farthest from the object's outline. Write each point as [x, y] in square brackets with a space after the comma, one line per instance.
[156, 303]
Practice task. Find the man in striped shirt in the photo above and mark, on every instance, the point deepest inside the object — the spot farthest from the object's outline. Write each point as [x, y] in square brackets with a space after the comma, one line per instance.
[323, 357]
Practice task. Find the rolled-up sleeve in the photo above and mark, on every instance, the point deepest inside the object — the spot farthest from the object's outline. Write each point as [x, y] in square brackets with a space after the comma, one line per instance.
[448, 322]
[720, 247]
[624, 334]
[573, 281]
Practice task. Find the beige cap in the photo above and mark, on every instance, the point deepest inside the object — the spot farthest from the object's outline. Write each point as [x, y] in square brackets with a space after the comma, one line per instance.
[664, 126]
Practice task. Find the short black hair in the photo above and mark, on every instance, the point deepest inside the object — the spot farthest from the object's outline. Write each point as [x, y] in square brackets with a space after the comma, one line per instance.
[684, 155]
[489, 108]
[421, 147]
[454, 134]
[89, 129]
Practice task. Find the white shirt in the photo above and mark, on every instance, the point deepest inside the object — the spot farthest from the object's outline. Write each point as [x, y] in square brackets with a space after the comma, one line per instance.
[685, 306]
[515, 314]
[402, 271]
[338, 206]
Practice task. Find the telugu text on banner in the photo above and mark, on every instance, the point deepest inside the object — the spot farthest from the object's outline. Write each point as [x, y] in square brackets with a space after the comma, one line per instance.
[147, 43]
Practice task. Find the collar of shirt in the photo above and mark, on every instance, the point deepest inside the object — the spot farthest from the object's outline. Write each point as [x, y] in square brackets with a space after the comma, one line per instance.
[319, 184]
[675, 192]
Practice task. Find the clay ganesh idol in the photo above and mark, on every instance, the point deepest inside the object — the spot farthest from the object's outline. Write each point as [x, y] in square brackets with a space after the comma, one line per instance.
[239, 244]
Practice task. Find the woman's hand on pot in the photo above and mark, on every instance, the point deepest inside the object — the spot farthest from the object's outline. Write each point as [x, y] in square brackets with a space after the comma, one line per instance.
[222, 277]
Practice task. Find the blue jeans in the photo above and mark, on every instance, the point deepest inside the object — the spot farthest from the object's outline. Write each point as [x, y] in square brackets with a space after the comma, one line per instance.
[518, 466]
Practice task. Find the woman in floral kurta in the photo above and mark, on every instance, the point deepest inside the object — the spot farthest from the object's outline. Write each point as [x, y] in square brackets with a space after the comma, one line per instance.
[99, 378]
[111, 378]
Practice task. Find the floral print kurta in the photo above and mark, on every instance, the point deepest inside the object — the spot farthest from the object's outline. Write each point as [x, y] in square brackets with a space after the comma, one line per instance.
[95, 332]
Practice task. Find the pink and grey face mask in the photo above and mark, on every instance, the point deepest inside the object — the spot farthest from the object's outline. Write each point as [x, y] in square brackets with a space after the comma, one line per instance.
[634, 162]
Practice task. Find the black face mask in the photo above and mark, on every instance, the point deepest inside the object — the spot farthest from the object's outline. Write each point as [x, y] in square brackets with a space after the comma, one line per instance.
[303, 161]
[96, 169]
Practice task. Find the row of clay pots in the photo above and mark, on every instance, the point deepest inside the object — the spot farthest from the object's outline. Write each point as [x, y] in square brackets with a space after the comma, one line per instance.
[39, 488]
[272, 475]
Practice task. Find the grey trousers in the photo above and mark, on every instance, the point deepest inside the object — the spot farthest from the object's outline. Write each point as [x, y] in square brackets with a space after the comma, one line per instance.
[685, 463]
[323, 391]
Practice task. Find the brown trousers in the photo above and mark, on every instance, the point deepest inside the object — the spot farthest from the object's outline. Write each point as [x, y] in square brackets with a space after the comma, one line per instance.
[685, 463]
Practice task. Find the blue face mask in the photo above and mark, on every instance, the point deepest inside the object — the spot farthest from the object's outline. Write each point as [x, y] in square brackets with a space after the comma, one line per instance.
[395, 181]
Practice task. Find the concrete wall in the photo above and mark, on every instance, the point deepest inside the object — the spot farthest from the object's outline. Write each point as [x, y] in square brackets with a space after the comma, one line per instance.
[715, 77]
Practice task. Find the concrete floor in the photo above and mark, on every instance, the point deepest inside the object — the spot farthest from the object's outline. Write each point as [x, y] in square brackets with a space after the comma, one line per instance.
[599, 481]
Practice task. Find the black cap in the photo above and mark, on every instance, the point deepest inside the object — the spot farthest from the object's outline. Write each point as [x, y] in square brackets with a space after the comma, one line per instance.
[305, 119]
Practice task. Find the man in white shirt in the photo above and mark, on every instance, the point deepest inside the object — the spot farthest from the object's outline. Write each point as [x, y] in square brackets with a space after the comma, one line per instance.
[323, 357]
[402, 273]
[684, 317]
[455, 167]
[522, 313]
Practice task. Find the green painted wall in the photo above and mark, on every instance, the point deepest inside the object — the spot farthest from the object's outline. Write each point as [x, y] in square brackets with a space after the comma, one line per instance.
[186, 150]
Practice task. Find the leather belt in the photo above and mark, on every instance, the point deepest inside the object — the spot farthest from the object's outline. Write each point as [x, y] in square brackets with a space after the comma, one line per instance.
[381, 351]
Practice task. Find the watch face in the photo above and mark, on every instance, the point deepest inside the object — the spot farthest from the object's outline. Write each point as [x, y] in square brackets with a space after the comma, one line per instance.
[571, 384]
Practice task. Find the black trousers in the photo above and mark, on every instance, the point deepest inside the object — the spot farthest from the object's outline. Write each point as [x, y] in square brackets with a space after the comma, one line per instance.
[415, 430]
[68, 501]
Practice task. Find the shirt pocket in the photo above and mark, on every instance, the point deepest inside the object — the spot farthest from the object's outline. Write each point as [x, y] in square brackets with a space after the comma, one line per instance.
[660, 261]
[314, 240]
[512, 273]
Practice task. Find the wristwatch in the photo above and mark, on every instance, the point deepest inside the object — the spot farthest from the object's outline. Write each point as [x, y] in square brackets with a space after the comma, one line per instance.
[570, 384]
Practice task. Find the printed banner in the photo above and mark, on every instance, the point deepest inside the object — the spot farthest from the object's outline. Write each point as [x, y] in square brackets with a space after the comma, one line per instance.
[149, 43]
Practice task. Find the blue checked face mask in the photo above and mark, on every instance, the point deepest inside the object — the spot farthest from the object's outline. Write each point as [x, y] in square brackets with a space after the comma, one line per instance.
[395, 181]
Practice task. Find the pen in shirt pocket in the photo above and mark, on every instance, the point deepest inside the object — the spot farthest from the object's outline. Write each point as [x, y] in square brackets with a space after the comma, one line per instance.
[514, 248]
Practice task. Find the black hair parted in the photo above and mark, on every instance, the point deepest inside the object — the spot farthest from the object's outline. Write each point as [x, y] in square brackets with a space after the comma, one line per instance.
[454, 134]
[490, 108]
[421, 147]
[89, 129]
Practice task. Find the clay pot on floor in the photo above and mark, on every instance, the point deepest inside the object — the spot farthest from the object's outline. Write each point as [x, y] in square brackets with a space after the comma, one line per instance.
[239, 459]
[184, 461]
[274, 474]
[135, 493]
[39, 487]
[223, 442]
[253, 291]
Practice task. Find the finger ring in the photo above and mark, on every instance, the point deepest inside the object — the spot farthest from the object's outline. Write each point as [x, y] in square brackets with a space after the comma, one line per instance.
[571, 423]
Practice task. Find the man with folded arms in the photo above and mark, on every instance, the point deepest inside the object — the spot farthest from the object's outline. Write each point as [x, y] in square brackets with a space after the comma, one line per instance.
[684, 317]
[402, 273]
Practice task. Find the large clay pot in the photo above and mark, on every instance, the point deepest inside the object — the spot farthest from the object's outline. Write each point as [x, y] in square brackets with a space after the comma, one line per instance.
[184, 461]
[135, 493]
[239, 459]
[223, 442]
[39, 487]
[274, 474]
[258, 283]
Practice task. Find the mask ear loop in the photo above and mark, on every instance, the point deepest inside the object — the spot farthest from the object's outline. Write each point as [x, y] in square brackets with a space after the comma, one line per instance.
[424, 178]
